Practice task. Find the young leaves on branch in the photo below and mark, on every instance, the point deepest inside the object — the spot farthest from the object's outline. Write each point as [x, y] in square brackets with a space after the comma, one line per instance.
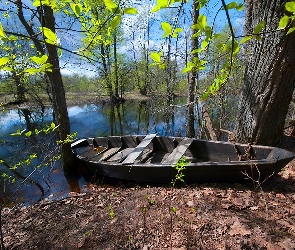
[164, 4]
[156, 57]
[42, 61]
[169, 31]
[50, 35]
[235, 5]
[2, 32]
[116, 10]
[287, 20]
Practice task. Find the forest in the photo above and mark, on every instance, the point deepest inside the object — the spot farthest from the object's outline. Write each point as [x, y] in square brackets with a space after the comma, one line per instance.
[221, 55]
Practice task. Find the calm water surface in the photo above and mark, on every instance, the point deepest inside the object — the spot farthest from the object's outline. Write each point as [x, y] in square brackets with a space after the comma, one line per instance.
[89, 120]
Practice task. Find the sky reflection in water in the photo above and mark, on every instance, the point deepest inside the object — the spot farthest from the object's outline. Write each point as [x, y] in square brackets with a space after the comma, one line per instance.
[87, 120]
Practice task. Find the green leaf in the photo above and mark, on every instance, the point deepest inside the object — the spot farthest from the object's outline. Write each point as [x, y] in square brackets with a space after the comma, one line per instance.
[259, 27]
[195, 51]
[167, 29]
[76, 9]
[18, 132]
[131, 11]
[290, 6]
[290, 30]
[189, 67]
[33, 156]
[236, 48]
[204, 44]
[173, 209]
[112, 6]
[201, 24]
[231, 5]
[162, 65]
[160, 4]
[59, 51]
[32, 71]
[49, 34]
[3, 60]
[28, 134]
[39, 60]
[2, 33]
[245, 39]
[197, 34]
[116, 21]
[52, 125]
[13, 38]
[156, 57]
[8, 69]
[202, 21]
[46, 67]
[240, 7]
[176, 31]
[38, 3]
[284, 21]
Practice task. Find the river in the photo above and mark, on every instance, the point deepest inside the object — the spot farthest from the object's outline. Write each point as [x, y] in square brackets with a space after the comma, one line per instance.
[89, 120]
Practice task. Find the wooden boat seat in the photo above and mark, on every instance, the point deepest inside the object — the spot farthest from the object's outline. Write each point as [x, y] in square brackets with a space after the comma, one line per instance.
[106, 154]
[121, 155]
[137, 151]
[178, 152]
[114, 145]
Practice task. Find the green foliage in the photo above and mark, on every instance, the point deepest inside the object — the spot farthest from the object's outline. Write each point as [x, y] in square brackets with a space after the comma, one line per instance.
[3, 61]
[180, 167]
[76, 8]
[164, 4]
[286, 20]
[168, 31]
[156, 57]
[30, 157]
[50, 35]
[46, 130]
[111, 212]
[2, 32]
[173, 209]
[235, 5]
[68, 139]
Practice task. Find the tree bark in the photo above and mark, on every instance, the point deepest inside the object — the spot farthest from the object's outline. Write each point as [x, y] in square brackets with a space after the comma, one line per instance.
[192, 80]
[58, 95]
[269, 76]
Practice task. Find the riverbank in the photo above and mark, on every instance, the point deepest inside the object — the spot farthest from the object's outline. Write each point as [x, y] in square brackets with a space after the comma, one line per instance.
[72, 98]
[132, 216]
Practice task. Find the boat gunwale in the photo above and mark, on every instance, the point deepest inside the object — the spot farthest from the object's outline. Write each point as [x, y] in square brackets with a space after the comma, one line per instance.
[264, 161]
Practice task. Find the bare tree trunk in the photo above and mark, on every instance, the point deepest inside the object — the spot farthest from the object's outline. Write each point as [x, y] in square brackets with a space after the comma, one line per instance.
[58, 95]
[106, 70]
[192, 81]
[269, 76]
[116, 82]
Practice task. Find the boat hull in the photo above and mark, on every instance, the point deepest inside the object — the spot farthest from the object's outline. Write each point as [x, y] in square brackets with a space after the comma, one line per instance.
[151, 159]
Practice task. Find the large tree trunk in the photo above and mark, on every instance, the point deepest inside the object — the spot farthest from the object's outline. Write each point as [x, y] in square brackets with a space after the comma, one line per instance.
[58, 95]
[269, 76]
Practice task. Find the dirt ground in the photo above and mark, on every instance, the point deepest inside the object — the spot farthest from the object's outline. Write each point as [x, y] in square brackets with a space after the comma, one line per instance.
[131, 216]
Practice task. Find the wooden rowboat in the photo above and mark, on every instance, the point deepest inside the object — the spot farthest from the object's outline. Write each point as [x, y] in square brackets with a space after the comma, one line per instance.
[152, 158]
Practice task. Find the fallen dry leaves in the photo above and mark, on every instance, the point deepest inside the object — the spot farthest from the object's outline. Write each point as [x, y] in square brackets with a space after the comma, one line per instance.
[203, 216]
